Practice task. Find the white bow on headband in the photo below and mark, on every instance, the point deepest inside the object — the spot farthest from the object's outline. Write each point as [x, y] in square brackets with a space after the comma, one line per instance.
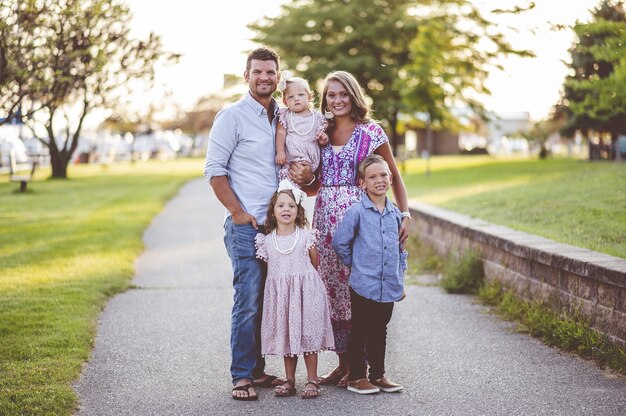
[284, 77]
[297, 193]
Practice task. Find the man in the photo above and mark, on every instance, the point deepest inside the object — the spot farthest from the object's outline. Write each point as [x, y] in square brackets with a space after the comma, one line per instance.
[240, 168]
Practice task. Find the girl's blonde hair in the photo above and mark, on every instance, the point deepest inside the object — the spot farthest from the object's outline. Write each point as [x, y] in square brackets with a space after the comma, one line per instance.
[361, 111]
[284, 84]
[271, 223]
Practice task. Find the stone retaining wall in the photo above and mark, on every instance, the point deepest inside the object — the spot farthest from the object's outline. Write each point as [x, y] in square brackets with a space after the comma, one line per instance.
[534, 267]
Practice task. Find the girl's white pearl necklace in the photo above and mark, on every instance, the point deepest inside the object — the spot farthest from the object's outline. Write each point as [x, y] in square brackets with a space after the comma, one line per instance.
[290, 249]
[293, 126]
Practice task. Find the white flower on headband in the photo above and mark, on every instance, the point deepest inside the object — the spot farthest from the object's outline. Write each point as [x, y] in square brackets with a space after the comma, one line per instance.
[284, 77]
[286, 184]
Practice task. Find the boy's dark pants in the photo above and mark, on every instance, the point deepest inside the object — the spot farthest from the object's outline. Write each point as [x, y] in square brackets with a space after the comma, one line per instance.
[368, 332]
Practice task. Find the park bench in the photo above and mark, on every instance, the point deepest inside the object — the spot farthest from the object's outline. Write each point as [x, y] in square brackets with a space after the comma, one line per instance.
[22, 179]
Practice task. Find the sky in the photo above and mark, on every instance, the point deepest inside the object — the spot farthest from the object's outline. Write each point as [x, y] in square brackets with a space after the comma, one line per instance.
[212, 40]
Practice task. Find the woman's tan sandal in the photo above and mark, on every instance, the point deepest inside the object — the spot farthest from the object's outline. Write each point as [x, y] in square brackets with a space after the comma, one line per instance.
[311, 392]
[332, 378]
[286, 389]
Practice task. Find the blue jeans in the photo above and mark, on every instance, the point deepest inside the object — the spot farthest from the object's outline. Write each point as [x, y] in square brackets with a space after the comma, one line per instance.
[248, 282]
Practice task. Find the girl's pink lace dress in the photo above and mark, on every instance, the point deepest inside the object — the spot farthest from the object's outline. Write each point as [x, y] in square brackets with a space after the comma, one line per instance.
[339, 191]
[296, 318]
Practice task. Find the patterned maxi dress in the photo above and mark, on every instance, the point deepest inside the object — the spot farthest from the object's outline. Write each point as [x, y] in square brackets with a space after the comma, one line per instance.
[301, 140]
[339, 191]
[296, 318]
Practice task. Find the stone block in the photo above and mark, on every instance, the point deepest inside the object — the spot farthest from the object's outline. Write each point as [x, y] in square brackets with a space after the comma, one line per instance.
[493, 254]
[540, 291]
[579, 286]
[507, 277]
[612, 271]
[565, 262]
[608, 295]
[518, 264]
[621, 300]
[547, 274]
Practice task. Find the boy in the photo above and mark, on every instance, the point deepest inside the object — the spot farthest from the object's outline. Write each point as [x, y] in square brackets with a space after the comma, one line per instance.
[367, 241]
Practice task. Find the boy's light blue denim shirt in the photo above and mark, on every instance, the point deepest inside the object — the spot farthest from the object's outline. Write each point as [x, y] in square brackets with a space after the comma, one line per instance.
[242, 147]
[367, 241]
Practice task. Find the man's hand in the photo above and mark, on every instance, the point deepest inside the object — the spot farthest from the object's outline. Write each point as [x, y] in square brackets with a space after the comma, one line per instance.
[300, 172]
[242, 217]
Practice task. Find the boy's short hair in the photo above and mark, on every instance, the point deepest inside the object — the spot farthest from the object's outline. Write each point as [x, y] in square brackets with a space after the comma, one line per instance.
[370, 160]
[263, 54]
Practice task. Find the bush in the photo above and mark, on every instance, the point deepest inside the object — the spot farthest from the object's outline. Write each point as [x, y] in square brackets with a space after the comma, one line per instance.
[463, 274]
[422, 257]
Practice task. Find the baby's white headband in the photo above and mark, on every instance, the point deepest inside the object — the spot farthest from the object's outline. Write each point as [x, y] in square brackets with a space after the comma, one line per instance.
[297, 193]
[284, 77]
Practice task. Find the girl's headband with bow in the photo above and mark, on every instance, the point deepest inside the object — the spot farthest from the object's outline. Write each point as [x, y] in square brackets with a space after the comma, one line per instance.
[284, 77]
[298, 194]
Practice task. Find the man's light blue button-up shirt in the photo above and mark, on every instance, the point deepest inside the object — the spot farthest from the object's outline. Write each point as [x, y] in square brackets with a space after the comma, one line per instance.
[241, 147]
[367, 241]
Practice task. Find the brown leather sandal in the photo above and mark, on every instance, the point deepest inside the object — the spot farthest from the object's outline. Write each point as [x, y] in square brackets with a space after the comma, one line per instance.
[332, 378]
[289, 390]
[311, 393]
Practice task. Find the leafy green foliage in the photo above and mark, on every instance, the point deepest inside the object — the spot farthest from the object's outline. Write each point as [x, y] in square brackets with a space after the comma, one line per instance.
[385, 45]
[368, 38]
[451, 56]
[595, 92]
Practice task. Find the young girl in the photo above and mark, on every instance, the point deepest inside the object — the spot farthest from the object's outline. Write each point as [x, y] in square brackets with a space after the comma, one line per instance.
[296, 318]
[300, 129]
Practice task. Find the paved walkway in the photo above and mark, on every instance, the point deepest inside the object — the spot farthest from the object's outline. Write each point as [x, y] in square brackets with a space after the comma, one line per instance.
[163, 347]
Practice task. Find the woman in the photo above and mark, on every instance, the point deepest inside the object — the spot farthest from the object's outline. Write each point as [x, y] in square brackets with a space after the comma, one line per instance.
[353, 136]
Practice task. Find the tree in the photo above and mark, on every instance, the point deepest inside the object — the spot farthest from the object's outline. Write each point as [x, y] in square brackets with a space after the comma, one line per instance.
[595, 92]
[379, 42]
[81, 54]
[22, 66]
[451, 56]
[368, 38]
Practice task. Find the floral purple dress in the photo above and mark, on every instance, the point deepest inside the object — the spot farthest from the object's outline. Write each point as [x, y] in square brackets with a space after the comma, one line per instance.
[296, 318]
[339, 191]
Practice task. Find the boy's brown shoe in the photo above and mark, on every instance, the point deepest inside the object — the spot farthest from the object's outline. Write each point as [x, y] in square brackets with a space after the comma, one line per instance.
[386, 385]
[362, 386]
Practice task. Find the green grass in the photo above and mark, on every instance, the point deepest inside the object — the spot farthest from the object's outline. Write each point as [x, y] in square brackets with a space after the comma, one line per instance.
[571, 201]
[66, 246]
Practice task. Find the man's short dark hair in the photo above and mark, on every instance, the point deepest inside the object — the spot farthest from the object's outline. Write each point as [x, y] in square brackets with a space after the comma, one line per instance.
[263, 54]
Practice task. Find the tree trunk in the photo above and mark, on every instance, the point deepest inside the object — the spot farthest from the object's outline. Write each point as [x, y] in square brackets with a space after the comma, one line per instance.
[59, 162]
[614, 149]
